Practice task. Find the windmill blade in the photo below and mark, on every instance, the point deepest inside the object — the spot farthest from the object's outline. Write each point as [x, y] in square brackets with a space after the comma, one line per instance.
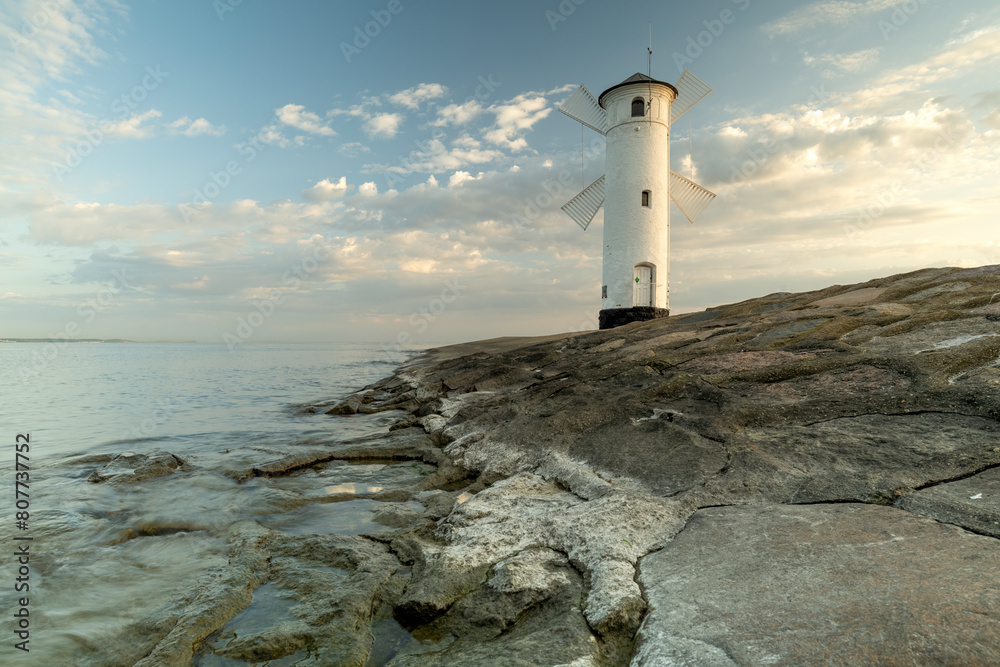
[583, 108]
[690, 91]
[690, 197]
[583, 207]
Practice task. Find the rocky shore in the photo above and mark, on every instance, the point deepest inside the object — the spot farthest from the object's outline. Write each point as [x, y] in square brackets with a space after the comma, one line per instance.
[797, 479]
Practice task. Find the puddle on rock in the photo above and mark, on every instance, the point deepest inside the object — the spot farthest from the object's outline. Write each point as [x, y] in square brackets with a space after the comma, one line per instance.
[390, 639]
[351, 517]
[393, 640]
[271, 605]
[343, 477]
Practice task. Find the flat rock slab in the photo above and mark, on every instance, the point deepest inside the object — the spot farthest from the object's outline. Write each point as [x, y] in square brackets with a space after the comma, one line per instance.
[785, 331]
[841, 584]
[851, 298]
[734, 362]
[868, 458]
[130, 468]
[931, 292]
[972, 503]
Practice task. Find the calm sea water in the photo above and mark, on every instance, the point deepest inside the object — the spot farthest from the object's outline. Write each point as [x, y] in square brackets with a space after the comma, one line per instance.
[218, 410]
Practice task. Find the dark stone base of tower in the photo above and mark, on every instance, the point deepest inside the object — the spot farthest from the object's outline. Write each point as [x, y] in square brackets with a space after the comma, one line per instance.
[616, 317]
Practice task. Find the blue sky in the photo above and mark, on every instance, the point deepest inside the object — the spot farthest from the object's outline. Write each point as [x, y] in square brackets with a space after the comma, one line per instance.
[257, 171]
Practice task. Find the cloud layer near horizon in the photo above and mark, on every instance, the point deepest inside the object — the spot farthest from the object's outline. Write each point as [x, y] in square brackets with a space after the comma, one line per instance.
[829, 188]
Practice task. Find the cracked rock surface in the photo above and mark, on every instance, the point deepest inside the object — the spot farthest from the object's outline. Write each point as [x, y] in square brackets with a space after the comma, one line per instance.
[845, 584]
[796, 479]
[799, 479]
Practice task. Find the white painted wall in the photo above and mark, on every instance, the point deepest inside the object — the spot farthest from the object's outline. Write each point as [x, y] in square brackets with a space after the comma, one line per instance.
[638, 158]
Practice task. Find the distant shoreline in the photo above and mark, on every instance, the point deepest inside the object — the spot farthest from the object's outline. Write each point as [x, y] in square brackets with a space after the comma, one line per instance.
[75, 340]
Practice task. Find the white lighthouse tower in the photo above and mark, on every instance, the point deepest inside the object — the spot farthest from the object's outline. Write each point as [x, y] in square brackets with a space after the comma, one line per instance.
[636, 190]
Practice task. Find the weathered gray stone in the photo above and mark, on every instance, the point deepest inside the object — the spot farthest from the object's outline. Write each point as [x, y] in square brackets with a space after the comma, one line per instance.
[526, 613]
[857, 397]
[930, 292]
[871, 458]
[603, 536]
[401, 444]
[563, 465]
[438, 505]
[973, 502]
[349, 406]
[784, 332]
[217, 601]
[821, 585]
[338, 584]
[129, 468]
[852, 297]
[398, 516]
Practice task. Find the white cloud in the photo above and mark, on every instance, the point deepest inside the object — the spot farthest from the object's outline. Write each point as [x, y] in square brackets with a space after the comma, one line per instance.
[43, 46]
[458, 114]
[413, 97]
[132, 127]
[193, 128]
[354, 149]
[273, 137]
[515, 117]
[422, 265]
[394, 250]
[294, 115]
[847, 62]
[778, 229]
[356, 111]
[383, 125]
[460, 177]
[83, 223]
[326, 190]
[198, 284]
[57, 35]
[973, 35]
[467, 142]
[437, 157]
[55, 221]
[836, 12]
[958, 58]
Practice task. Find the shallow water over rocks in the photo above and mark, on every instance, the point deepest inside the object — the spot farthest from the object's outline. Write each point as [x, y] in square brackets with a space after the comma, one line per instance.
[130, 526]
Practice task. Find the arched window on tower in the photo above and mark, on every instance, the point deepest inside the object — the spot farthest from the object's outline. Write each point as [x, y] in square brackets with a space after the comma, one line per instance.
[647, 199]
[638, 107]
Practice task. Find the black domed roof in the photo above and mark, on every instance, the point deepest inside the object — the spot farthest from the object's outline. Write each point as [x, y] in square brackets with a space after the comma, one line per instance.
[635, 78]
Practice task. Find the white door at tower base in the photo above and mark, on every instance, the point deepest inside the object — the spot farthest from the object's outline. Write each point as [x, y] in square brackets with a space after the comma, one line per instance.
[642, 294]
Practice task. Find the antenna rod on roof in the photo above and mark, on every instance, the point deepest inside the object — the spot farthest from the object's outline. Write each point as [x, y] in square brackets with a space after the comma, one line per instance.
[649, 66]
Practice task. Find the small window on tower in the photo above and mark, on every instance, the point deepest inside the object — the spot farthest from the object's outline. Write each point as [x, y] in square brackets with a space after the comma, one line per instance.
[647, 198]
[604, 291]
[638, 107]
